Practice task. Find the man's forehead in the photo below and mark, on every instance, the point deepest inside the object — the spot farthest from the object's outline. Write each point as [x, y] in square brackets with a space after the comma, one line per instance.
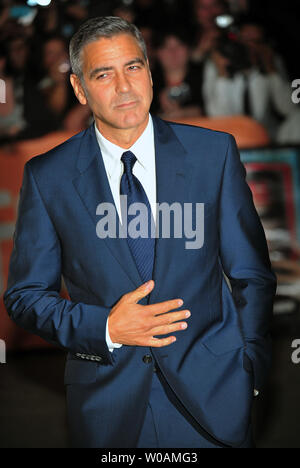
[120, 46]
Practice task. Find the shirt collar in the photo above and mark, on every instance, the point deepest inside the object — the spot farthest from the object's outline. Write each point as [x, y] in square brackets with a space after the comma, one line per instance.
[112, 153]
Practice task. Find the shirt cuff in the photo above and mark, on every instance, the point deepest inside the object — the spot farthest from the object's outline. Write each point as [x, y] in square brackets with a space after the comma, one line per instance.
[111, 346]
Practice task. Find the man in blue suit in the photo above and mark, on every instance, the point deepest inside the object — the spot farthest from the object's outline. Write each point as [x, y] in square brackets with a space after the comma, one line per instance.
[167, 344]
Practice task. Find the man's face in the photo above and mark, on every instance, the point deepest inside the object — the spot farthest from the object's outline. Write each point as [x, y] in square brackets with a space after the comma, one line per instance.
[54, 52]
[117, 82]
[18, 53]
[173, 54]
[207, 10]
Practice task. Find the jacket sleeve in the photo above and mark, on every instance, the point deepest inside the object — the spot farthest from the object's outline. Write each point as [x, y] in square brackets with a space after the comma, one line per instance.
[32, 297]
[245, 261]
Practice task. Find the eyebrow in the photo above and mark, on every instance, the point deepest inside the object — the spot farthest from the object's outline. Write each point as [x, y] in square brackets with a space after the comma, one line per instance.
[97, 70]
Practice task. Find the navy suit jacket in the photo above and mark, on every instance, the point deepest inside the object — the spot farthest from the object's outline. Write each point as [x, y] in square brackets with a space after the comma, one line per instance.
[224, 354]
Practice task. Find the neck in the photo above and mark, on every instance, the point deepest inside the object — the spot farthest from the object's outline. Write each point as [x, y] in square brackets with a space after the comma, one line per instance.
[124, 138]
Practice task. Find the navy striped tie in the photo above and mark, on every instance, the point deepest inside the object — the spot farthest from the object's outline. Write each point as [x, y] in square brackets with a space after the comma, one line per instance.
[142, 248]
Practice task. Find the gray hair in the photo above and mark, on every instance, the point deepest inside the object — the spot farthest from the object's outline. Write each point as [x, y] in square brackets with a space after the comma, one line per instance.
[97, 28]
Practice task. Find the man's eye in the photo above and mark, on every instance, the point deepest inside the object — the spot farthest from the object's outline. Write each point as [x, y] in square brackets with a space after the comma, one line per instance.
[134, 67]
[103, 75]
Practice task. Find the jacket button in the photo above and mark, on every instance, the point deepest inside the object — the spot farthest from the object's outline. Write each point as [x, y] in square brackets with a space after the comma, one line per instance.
[147, 359]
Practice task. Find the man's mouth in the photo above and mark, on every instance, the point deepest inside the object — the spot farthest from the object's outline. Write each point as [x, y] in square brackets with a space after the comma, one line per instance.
[126, 105]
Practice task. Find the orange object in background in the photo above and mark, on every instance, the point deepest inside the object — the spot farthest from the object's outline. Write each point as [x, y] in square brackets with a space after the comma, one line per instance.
[247, 132]
[30, 148]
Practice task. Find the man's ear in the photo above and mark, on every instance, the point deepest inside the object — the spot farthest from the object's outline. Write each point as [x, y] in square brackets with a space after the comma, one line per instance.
[78, 89]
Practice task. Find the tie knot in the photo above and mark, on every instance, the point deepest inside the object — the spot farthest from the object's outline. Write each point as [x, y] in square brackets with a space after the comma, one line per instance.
[128, 159]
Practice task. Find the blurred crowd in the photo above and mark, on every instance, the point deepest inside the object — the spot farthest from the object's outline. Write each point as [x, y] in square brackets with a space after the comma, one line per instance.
[208, 58]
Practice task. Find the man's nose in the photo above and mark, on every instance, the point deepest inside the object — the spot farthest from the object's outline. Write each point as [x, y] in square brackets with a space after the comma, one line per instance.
[122, 83]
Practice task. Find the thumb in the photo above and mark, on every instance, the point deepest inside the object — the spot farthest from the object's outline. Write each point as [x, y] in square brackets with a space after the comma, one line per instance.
[142, 291]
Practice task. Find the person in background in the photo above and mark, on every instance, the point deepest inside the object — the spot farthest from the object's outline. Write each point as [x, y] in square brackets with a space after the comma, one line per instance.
[29, 118]
[177, 82]
[13, 70]
[269, 81]
[49, 21]
[60, 18]
[206, 30]
[244, 80]
[56, 88]
[55, 83]
[262, 55]
[148, 35]
[11, 111]
[40, 97]
[223, 78]
[18, 51]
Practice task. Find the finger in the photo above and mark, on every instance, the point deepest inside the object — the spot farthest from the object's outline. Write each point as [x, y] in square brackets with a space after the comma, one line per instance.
[166, 329]
[137, 294]
[167, 319]
[163, 307]
[160, 342]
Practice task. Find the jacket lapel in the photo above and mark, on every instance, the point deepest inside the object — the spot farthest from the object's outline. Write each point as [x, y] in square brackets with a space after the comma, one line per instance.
[93, 188]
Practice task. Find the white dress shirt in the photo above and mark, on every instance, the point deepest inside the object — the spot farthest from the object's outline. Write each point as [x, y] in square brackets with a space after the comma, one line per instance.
[144, 170]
